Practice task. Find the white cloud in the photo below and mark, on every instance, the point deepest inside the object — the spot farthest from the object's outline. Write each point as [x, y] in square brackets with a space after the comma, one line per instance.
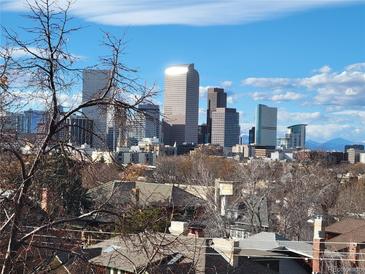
[229, 99]
[344, 88]
[287, 118]
[19, 52]
[41, 99]
[287, 96]
[277, 96]
[188, 12]
[351, 114]
[227, 84]
[245, 127]
[268, 82]
[327, 131]
[324, 69]
[234, 98]
[70, 100]
[203, 91]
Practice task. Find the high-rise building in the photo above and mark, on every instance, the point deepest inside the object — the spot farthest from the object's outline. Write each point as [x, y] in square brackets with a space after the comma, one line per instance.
[11, 122]
[296, 136]
[27, 121]
[353, 155]
[225, 127]
[251, 135]
[202, 134]
[181, 105]
[217, 98]
[31, 120]
[117, 128]
[144, 124]
[148, 121]
[95, 83]
[294, 139]
[354, 146]
[78, 130]
[266, 126]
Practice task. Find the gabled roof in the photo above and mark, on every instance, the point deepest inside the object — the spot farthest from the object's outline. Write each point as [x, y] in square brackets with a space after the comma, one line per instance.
[342, 241]
[142, 251]
[150, 194]
[346, 225]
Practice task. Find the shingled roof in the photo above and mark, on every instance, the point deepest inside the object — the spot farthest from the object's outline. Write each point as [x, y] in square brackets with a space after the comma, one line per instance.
[346, 231]
[158, 253]
[346, 225]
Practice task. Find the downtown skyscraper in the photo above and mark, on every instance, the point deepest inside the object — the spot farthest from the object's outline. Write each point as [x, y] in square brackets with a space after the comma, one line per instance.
[225, 127]
[95, 83]
[145, 124]
[217, 98]
[266, 126]
[181, 105]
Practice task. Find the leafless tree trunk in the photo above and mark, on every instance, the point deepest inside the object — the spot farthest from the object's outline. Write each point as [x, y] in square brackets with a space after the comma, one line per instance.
[50, 72]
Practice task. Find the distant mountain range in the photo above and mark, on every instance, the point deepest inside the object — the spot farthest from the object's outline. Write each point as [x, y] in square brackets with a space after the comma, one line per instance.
[337, 144]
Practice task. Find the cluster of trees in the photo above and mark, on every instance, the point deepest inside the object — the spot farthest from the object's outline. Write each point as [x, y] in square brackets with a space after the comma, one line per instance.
[294, 192]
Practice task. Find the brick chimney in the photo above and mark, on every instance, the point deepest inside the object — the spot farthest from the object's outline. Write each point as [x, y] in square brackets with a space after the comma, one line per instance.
[136, 192]
[318, 245]
[45, 199]
[196, 230]
[354, 250]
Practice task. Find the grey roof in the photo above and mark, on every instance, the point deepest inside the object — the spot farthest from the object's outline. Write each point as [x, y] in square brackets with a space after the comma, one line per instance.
[270, 241]
[259, 253]
[346, 225]
[152, 252]
[180, 254]
[150, 194]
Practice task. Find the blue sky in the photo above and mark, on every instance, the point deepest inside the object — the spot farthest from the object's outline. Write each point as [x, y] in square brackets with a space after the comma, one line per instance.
[305, 57]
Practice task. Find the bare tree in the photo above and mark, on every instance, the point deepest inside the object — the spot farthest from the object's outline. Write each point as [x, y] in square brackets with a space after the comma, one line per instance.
[48, 72]
[302, 191]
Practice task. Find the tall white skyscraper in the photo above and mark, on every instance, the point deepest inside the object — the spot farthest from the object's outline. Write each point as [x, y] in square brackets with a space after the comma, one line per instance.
[181, 105]
[95, 83]
[266, 126]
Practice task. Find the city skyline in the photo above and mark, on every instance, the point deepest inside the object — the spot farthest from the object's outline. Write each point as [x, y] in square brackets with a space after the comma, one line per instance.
[295, 58]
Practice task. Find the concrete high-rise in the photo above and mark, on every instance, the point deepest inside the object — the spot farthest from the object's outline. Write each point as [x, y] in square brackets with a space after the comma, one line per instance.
[78, 130]
[31, 120]
[95, 83]
[202, 134]
[146, 123]
[294, 139]
[150, 120]
[217, 98]
[296, 136]
[181, 105]
[266, 126]
[225, 127]
[251, 135]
